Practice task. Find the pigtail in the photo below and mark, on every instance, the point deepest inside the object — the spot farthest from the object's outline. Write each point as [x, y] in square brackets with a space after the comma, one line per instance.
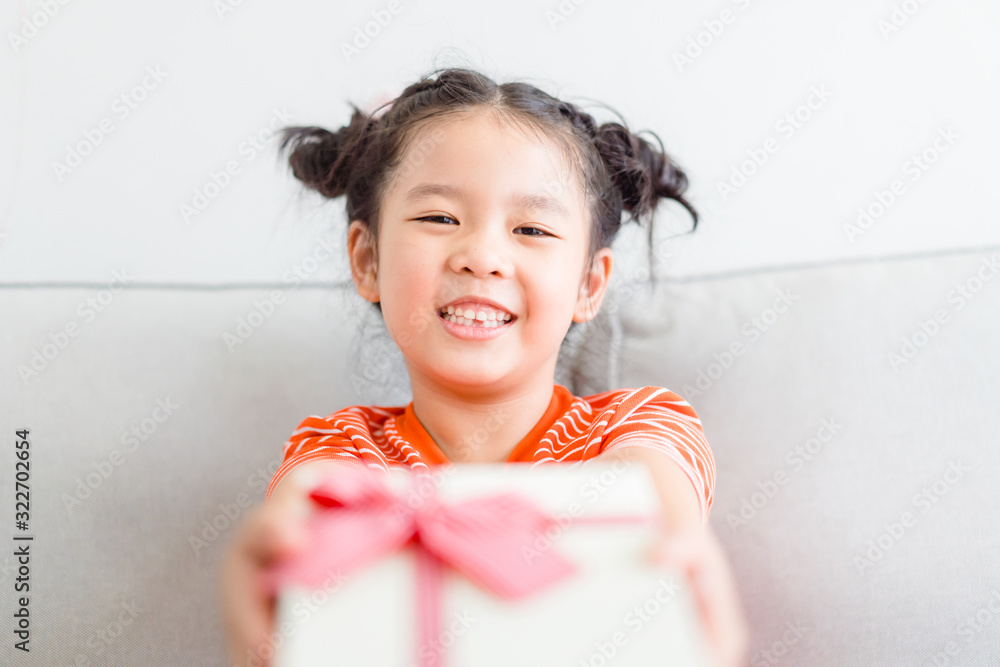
[641, 173]
[323, 160]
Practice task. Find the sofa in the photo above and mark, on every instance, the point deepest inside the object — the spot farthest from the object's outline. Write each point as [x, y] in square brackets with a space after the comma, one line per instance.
[852, 408]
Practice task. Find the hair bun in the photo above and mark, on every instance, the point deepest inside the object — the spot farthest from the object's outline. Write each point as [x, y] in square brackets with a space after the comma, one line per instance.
[642, 174]
[321, 159]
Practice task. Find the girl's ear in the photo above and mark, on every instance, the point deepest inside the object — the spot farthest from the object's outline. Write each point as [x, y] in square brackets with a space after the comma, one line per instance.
[361, 251]
[594, 286]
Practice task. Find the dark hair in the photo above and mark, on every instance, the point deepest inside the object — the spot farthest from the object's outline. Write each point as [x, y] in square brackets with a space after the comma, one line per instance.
[619, 169]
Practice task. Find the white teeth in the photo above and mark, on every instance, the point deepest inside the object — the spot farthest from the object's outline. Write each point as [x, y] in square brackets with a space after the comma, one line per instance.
[482, 319]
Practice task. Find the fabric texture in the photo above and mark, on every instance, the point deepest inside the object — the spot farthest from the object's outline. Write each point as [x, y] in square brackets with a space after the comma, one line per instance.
[573, 429]
[828, 572]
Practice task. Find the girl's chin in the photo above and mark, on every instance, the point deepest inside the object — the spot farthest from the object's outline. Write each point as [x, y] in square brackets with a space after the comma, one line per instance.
[455, 372]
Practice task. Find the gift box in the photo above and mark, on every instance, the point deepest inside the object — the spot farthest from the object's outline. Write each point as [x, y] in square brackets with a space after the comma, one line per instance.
[483, 565]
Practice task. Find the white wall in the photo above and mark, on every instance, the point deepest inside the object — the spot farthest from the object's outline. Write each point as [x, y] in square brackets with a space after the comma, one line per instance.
[226, 72]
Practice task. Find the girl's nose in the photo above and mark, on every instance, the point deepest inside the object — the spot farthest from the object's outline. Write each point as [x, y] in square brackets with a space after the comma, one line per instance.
[482, 250]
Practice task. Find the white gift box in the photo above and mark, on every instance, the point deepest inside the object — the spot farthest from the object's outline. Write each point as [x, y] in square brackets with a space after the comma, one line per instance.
[616, 609]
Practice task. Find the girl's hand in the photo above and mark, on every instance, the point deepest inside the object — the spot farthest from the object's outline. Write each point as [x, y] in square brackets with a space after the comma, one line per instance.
[270, 533]
[698, 555]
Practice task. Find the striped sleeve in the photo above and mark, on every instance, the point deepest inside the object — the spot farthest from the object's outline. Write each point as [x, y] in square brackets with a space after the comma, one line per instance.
[344, 436]
[659, 419]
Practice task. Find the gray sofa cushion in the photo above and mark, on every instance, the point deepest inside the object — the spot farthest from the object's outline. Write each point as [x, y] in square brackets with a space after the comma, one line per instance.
[132, 507]
[854, 488]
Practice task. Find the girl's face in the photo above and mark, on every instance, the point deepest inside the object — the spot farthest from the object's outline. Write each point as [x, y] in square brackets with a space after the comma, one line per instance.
[480, 210]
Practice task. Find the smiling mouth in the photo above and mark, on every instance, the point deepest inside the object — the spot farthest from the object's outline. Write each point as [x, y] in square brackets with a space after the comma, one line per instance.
[475, 322]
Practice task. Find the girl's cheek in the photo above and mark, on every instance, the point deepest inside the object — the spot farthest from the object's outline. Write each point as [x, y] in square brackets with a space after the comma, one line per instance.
[419, 322]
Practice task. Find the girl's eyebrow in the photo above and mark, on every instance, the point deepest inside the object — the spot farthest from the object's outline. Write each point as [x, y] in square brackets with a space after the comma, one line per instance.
[537, 202]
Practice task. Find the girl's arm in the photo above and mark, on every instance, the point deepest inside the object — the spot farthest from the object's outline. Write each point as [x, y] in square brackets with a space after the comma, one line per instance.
[680, 507]
[689, 546]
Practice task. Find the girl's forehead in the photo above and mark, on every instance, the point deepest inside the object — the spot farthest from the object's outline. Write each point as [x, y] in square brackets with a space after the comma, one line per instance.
[479, 152]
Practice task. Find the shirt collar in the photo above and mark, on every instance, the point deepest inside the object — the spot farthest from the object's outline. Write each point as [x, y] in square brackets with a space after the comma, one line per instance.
[412, 431]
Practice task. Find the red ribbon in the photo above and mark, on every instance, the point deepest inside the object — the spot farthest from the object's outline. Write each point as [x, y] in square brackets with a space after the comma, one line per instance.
[482, 537]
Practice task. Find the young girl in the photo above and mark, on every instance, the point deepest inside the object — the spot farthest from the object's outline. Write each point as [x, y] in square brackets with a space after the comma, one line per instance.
[481, 219]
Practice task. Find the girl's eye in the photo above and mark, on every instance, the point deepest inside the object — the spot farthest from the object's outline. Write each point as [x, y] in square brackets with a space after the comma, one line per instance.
[538, 235]
[437, 217]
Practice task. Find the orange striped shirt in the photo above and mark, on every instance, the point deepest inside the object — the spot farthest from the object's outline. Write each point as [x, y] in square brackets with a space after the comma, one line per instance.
[573, 429]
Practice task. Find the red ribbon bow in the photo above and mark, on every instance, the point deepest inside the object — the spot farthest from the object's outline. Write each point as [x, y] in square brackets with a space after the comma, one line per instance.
[480, 537]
